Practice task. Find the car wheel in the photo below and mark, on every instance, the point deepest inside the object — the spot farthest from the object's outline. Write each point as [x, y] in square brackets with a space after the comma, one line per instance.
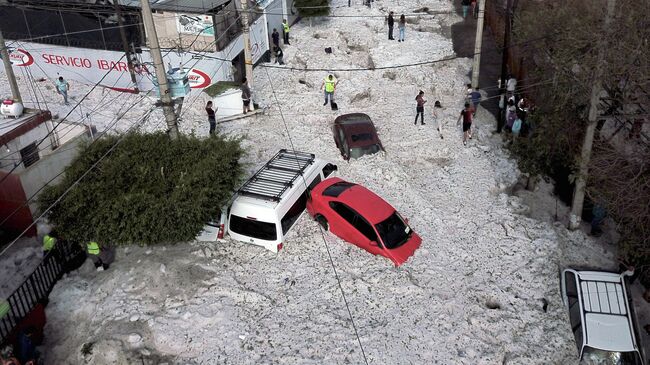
[322, 221]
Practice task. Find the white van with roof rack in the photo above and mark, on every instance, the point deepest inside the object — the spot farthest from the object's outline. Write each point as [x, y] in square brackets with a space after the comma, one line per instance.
[265, 208]
[602, 317]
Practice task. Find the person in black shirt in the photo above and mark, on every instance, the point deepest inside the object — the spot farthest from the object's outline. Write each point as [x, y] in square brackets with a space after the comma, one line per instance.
[466, 114]
[212, 119]
[391, 22]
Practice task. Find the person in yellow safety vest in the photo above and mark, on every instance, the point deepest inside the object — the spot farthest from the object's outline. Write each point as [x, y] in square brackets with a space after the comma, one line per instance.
[285, 31]
[329, 83]
[49, 240]
[101, 256]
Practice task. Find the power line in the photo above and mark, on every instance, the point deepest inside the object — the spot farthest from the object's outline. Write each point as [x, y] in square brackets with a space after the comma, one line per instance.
[329, 254]
[120, 139]
[117, 119]
[53, 129]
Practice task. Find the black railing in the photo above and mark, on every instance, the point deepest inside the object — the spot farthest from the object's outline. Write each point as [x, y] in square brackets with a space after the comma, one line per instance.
[37, 286]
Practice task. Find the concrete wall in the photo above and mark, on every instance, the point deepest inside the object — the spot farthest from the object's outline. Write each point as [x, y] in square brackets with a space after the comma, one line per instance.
[7, 159]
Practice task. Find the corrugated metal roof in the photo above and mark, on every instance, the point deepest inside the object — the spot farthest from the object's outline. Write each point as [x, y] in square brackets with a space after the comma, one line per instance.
[181, 6]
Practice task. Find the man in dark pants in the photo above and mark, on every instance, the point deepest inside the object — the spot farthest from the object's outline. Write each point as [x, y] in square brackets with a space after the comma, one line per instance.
[419, 109]
[391, 22]
[275, 36]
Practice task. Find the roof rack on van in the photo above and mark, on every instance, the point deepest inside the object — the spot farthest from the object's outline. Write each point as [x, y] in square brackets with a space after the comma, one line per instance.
[277, 175]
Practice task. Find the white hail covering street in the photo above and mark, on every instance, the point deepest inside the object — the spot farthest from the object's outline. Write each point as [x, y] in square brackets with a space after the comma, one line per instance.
[232, 303]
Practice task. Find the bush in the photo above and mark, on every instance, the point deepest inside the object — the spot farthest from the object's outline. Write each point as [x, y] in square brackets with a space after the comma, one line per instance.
[149, 190]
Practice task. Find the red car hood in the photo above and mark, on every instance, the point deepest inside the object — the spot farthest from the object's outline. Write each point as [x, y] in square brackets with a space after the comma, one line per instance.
[401, 254]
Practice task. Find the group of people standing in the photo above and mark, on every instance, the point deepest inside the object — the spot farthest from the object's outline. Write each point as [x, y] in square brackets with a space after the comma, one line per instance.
[401, 26]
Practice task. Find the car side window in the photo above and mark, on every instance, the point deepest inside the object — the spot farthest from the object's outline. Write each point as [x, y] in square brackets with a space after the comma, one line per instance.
[365, 228]
[345, 212]
[574, 307]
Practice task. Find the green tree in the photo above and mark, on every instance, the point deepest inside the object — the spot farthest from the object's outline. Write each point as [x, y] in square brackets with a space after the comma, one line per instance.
[149, 190]
[561, 40]
[312, 8]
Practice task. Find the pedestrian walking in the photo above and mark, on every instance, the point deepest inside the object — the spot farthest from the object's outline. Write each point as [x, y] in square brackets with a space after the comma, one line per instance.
[329, 83]
[476, 99]
[437, 122]
[474, 9]
[212, 119]
[466, 116]
[275, 36]
[62, 87]
[402, 28]
[465, 5]
[27, 352]
[391, 23]
[511, 85]
[245, 95]
[285, 31]
[279, 55]
[419, 108]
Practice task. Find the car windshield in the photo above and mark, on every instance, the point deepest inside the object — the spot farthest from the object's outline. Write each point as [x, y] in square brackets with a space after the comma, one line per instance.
[393, 231]
[361, 137]
[356, 152]
[592, 356]
[336, 189]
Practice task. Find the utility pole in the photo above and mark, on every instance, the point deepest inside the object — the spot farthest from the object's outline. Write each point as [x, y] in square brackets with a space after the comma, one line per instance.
[125, 45]
[247, 43]
[585, 156]
[478, 44]
[15, 92]
[504, 64]
[159, 66]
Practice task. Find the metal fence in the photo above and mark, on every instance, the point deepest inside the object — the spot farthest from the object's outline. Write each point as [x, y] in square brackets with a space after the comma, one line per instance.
[37, 286]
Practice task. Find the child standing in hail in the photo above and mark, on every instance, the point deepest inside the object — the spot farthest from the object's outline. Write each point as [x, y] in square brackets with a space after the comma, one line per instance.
[466, 115]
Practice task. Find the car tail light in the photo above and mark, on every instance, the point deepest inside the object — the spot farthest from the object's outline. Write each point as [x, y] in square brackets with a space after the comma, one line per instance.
[279, 246]
[221, 231]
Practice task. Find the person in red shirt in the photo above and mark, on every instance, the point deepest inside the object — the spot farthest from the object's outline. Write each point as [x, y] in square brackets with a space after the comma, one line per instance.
[466, 115]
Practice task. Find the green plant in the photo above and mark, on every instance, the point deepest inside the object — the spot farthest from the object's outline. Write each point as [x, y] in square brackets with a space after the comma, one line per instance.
[311, 8]
[149, 190]
[220, 87]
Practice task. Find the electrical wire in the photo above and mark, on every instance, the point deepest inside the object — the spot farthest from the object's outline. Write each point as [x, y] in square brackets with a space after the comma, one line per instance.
[120, 139]
[329, 254]
[53, 129]
[105, 132]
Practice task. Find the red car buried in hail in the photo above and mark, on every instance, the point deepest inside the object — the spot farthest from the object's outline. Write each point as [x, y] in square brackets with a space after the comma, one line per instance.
[359, 216]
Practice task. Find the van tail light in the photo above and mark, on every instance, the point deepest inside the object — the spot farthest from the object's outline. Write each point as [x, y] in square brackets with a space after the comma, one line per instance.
[221, 231]
[8, 102]
[279, 246]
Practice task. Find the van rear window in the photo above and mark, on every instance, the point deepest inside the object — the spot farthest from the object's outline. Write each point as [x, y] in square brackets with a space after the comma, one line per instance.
[252, 228]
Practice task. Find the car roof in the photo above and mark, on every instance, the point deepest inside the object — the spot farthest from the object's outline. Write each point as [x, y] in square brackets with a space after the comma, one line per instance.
[606, 317]
[352, 118]
[365, 202]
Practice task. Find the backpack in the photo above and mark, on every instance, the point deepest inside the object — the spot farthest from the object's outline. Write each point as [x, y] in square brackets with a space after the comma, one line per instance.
[516, 126]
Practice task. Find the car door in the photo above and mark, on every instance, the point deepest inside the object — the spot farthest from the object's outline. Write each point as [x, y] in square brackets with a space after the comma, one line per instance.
[344, 227]
[369, 241]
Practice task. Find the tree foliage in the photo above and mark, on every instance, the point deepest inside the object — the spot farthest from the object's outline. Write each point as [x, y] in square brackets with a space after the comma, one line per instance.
[312, 8]
[148, 190]
[562, 39]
